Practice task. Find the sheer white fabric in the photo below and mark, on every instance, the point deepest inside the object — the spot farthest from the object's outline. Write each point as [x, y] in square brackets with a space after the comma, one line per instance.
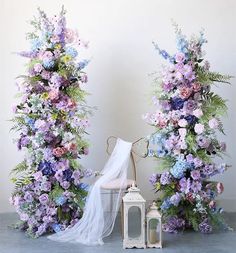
[101, 209]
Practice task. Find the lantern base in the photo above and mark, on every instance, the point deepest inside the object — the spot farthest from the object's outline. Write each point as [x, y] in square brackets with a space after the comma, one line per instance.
[130, 245]
[155, 245]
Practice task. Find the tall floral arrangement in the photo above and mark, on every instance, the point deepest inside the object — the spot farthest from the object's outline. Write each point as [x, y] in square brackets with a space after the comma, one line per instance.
[51, 119]
[186, 122]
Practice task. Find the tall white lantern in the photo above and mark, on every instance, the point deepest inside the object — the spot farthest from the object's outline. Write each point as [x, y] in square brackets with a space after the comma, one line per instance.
[154, 227]
[134, 201]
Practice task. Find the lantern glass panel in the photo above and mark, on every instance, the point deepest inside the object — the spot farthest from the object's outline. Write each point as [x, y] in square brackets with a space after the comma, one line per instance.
[154, 231]
[134, 222]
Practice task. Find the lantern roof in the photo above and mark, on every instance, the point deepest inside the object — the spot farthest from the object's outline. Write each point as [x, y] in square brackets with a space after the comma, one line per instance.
[153, 211]
[133, 195]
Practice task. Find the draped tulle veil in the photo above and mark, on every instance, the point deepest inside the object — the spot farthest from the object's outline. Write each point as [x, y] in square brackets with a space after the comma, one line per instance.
[100, 209]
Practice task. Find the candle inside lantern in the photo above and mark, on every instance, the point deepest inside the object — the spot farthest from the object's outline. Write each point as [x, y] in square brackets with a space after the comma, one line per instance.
[153, 236]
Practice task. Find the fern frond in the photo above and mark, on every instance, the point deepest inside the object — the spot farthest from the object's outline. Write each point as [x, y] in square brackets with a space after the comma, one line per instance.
[22, 166]
[208, 77]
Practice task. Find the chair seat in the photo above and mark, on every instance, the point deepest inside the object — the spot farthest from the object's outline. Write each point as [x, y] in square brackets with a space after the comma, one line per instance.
[116, 184]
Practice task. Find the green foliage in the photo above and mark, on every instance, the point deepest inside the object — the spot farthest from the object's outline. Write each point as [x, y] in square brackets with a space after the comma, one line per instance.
[22, 181]
[208, 77]
[76, 93]
[165, 163]
[56, 192]
[191, 142]
[21, 167]
[213, 105]
[201, 153]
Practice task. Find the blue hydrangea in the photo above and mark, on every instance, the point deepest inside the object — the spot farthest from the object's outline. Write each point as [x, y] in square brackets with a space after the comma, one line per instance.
[56, 227]
[166, 204]
[161, 152]
[84, 186]
[61, 200]
[71, 52]
[36, 44]
[177, 103]
[82, 64]
[179, 168]
[30, 122]
[48, 63]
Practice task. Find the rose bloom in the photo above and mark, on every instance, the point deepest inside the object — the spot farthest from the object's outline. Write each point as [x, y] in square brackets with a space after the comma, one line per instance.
[53, 94]
[213, 123]
[196, 87]
[58, 152]
[183, 123]
[220, 187]
[197, 113]
[185, 92]
[71, 104]
[180, 57]
[71, 146]
[199, 128]
[162, 124]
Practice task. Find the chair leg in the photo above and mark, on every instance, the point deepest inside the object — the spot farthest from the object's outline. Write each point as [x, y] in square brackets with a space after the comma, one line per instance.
[122, 219]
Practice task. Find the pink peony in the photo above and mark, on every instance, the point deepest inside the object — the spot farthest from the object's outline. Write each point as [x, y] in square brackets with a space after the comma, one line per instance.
[220, 187]
[196, 87]
[213, 123]
[58, 152]
[199, 128]
[53, 94]
[185, 92]
[71, 147]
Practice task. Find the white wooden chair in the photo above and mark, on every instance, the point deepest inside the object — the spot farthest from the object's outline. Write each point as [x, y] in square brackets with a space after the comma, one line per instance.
[114, 185]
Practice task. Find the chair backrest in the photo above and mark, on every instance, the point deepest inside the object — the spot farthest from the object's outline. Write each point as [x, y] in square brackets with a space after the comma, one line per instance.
[131, 154]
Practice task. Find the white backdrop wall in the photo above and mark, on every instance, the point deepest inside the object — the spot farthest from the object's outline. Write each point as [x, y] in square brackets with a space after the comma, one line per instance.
[120, 34]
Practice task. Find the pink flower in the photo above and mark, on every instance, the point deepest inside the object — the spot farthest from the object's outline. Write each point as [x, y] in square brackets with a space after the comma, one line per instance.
[197, 113]
[213, 123]
[38, 67]
[183, 123]
[53, 94]
[196, 87]
[71, 104]
[195, 174]
[70, 35]
[71, 147]
[212, 204]
[58, 152]
[185, 92]
[86, 151]
[179, 57]
[220, 187]
[199, 128]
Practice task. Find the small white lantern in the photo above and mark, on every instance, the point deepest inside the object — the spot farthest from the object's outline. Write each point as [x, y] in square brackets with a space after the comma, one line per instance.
[154, 227]
[133, 200]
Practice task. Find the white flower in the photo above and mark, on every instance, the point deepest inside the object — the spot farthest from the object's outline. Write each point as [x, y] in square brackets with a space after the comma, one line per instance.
[213, 123]
[199, 128]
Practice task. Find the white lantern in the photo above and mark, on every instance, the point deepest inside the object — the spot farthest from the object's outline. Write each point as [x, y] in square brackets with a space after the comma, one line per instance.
[154, 227]
[134, 201]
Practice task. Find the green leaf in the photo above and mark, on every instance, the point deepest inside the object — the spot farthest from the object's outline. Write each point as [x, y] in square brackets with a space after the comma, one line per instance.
[22, 166]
